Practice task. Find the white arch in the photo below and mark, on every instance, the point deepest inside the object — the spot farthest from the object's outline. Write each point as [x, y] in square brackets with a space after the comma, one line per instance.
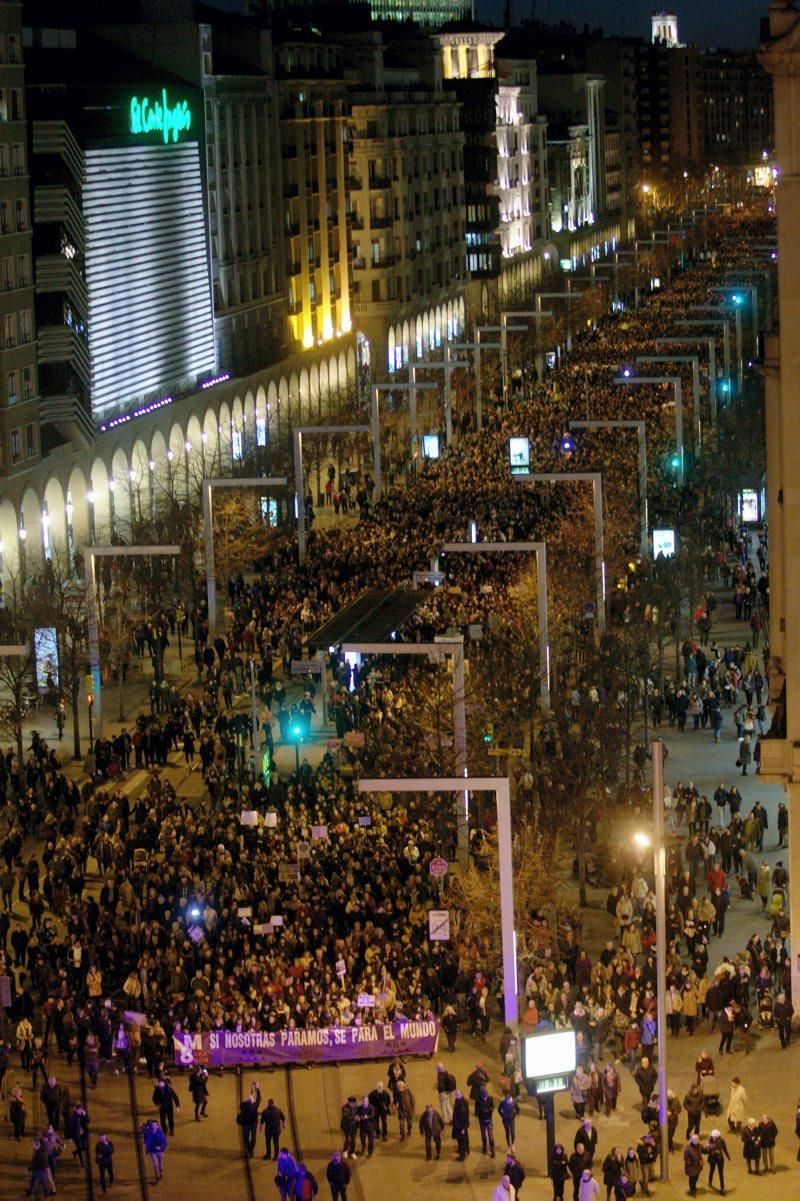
[99, 502]
[54, 523]
[78, 516]
[9, 549]
[334, 376]
[31, 523]
[390, 349]
[406, 342]
[351, 366]
[120, 486]
[342, 372]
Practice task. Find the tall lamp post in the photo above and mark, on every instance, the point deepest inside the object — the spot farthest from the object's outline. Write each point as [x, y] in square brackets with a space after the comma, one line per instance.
[660, 872]
[499, 785]
[208, 487]
[677, 384]
[694, 359]
[641, 436]
[595, 478]
[435, 650]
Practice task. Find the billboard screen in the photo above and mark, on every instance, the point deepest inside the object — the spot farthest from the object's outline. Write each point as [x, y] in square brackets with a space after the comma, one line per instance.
[430, 446]
[663, 543]
[551, 1054]
[45, 645]
[519, 455]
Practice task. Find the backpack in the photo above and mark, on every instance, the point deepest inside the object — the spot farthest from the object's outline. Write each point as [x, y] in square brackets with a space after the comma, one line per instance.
[449, 1082]
[306, 1189]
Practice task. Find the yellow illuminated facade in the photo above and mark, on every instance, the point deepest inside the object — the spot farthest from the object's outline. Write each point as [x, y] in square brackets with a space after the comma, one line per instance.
[315, 173]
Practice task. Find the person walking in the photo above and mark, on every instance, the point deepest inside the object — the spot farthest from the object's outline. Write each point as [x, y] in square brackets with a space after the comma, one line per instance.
[104, 1158]
[717, 1152]
[783, 1013]
[504, 1190]
[285, 1173]
[588, 1189]
[349, 1127]
[461, 1126]
[767, 1134]
[445, 1087]
[198, 1087]
[272, 1122]
[431, 1127]
[737, 1105]
[727, 1026]
[381, 1101]
[405, 1109]
[509, 1111]
[751, 1146]
[515, 1172]
[693, 1163]
[337, 1174]
[16, 1112]
[155, 1144]
[247, 1118]
[484, 1111]
[366, 1126]
[559, 1170]
[305, 1184]
[166, 1102]
[693, 1106]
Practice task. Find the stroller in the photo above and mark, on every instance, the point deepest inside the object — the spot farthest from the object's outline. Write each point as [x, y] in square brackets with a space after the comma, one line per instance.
[709, 1087]
[777, 902]
[766, 1018]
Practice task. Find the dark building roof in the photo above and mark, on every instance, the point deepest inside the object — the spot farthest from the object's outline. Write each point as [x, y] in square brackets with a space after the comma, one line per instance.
[371, 617]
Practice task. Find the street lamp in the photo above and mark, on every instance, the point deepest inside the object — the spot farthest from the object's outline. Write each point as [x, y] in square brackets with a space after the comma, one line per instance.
[641, 431]
[207, 487]
[657, 842]
[595, 478]
[677, 384]
[499, 785]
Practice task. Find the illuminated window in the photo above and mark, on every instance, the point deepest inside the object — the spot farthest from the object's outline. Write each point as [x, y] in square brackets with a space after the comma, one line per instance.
[237, 449]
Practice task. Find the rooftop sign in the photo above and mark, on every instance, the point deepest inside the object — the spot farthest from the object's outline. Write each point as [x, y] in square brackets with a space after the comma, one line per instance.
[160, 116]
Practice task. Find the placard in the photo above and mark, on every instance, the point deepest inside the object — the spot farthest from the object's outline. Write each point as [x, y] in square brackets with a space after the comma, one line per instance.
[366, 1000]
[270, 819]
[365, 820]
[319, 833]
[277, 919]
[262, 928]
[302, 850]
[354, 738]
[248, 817]
[244, 911]
[439, 925]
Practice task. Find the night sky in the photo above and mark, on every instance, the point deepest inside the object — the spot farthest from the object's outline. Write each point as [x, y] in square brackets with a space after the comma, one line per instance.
[721, 23]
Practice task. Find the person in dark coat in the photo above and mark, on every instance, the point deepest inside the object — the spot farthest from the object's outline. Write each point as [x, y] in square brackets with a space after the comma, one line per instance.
[431, 1127]
[717, 1152]
[559, 1170]
[783, 1013]
[515, 1172]
[693, 1163]
[166, 1102]
[247, 1118]
[484, 1112]
[198, 1087]
[587, 1134]
[366, 1125]
[104, 1158]
[338, 1177]
[461, 1124]
[272, 1122]
[381, 1101]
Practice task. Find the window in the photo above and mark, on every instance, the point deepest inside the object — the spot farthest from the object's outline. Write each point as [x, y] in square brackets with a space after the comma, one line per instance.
[15, 448]
[11, 394]
[3, 104]
[16, 104]
[3, 216]
[30, 441]
[3, 160]
[22, 270]
[17, 159]
[13, 48]
[376, 290]
[27, 383]
[22, 215]
[25, 325]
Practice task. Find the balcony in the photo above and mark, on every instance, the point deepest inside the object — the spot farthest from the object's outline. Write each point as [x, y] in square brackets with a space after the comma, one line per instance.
[377, 182]
[355, 221]
[354, 183]
[381, 222]
[292, 268]
[293, 229]
[290, 191]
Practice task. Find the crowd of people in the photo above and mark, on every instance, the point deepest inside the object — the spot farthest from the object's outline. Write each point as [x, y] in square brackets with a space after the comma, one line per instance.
[346, 875]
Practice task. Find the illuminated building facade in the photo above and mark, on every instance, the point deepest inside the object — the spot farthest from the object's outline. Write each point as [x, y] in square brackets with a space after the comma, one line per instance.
[124, 303]
[407, 198]
[19, 425]
[313, 111]
[507, 218]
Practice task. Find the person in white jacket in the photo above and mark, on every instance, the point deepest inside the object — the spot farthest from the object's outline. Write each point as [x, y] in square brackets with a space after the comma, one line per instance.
[505, 1191]
[588, 1189]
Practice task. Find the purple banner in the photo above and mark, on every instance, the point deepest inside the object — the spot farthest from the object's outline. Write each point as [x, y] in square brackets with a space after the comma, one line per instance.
[227, 1048]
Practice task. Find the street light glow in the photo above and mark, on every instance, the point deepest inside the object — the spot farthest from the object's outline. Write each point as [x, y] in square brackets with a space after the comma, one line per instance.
[641, 839]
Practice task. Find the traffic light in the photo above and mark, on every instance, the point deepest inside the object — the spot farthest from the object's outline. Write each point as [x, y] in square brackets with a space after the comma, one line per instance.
[488, 732]
[725, 387]
[737, 298]
[675, 462]
[296, 730]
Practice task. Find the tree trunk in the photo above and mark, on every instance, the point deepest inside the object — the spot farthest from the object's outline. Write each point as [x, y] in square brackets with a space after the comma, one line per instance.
[120, 680]
[581, 857]
[76, 729]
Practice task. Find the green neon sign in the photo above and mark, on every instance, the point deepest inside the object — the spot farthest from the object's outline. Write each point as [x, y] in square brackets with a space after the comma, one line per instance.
[159, 116]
